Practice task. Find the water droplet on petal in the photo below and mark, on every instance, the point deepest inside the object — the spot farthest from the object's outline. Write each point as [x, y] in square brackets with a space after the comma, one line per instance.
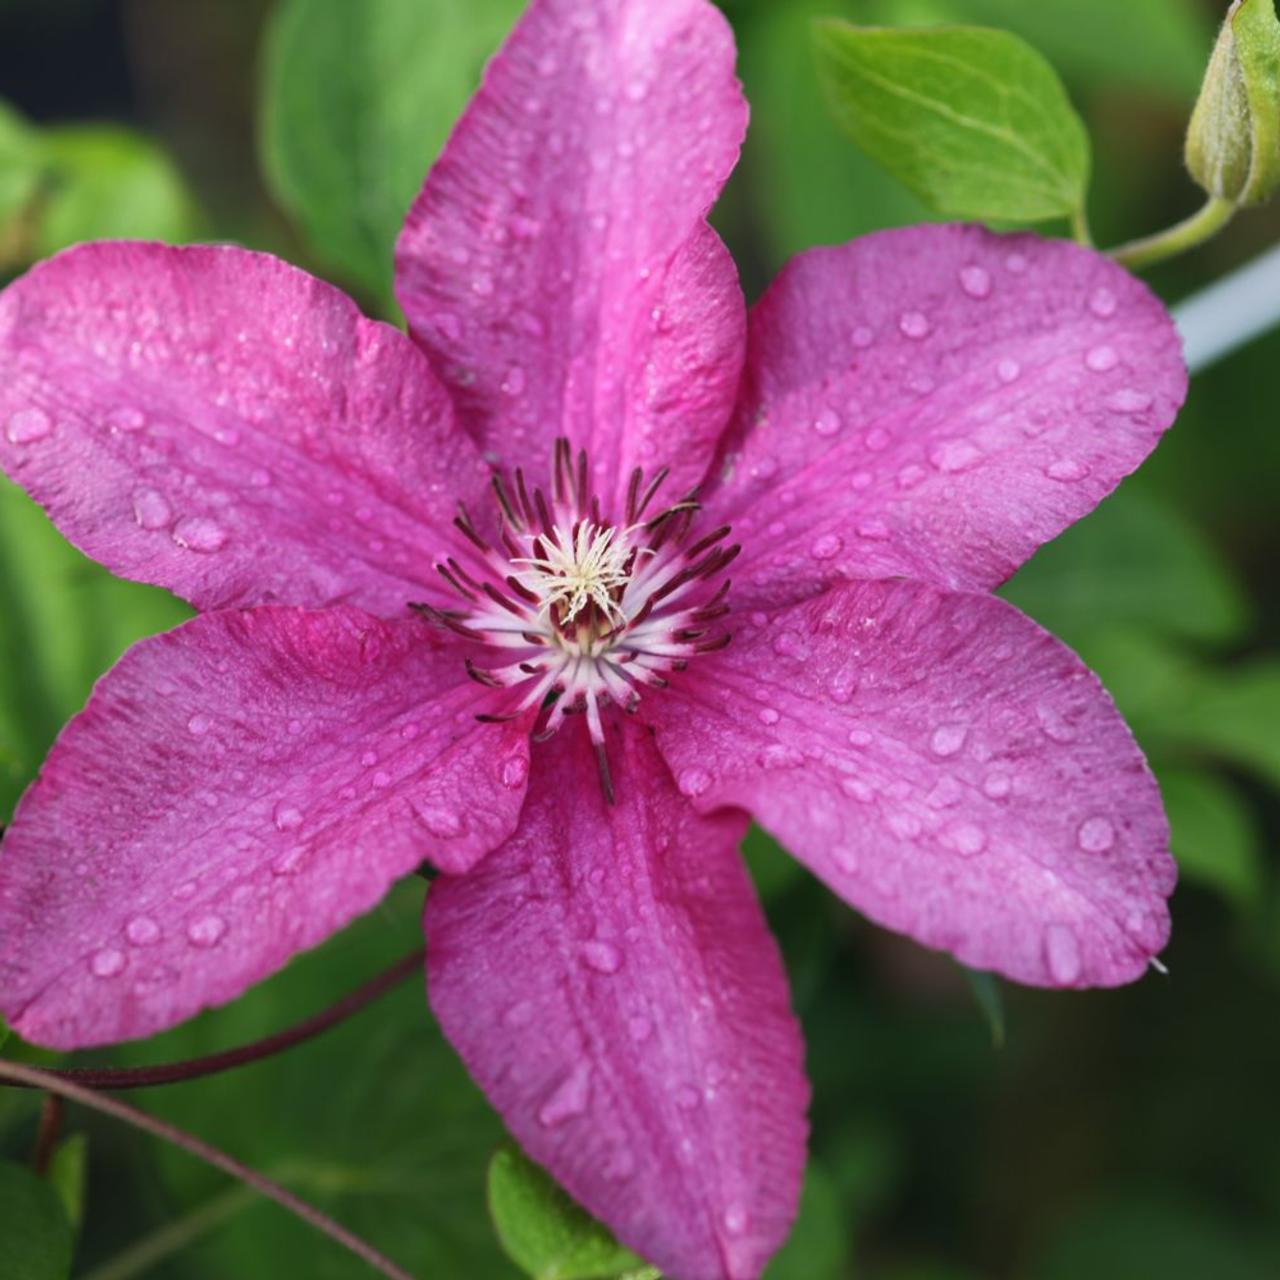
[954, 455]
[381, 779]
[27, 426]
[198, 725]
[915, 324]
[515, 769]
[975, 281]
[1015, 263]
[1008, 371]
[1054, 724]
[514, 383]
[639, 1028]
[687, 1097]
[444, 823]
[876, 439]
[910, 476]
[1101, 359]
[1128, 400]
[151, 509]
[520, 1014]
[603, 957]
[948, 739]
[199, 533]
[569, 1098]
[693, 782]
[290, 862]
[827, 547]
[873, 530]
[107, 963]
[735, 1220]
[997, 785]
[1067, 470]
[827, 423]
[862, 337]
[1062, 954]
[260, 478]
[860, 738]
[287, 818]
[1096, 835]
[967, 839]
[1102, 302]
[126, 420]
[207, 931]
[142, 931]
[768, 716]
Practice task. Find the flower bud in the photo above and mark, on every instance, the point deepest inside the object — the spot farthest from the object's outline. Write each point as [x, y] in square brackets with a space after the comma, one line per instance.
[1233, 140]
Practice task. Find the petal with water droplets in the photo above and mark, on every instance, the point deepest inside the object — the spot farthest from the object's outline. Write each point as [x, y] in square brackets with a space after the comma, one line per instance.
[609, 979]
[972, 786]
[987, 399]
[559, 271]
[222, 424]
[209, 813]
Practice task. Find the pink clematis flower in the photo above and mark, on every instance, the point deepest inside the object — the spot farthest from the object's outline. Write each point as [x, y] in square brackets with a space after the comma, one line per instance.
[898, 425]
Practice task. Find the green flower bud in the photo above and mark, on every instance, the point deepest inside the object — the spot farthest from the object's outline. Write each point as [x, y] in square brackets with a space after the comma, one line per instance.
[1233, 140]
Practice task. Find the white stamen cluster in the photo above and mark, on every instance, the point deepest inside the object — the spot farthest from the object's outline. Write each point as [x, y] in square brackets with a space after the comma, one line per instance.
[581, 611]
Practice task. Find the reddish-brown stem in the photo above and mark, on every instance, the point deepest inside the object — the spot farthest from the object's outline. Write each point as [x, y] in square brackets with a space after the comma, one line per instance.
[31, 1078]
[47, 1133]
[193, 1068]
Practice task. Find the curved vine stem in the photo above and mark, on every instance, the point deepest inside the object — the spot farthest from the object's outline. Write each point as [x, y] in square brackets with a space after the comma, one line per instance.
[1205, 222]
[115, 1078]
[33, 1078]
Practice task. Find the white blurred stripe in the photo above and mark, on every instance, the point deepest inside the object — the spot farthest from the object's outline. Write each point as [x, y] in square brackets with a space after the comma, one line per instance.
[1231, 311]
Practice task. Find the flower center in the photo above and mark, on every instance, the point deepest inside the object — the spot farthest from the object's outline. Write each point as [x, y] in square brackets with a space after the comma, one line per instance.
[578, 611]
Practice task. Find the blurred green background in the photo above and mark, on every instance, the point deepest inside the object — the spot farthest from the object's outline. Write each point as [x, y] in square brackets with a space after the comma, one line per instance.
[1111, 1136]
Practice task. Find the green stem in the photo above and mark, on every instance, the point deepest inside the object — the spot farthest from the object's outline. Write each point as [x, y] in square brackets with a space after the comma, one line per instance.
[1184, 235]
[1080, 227]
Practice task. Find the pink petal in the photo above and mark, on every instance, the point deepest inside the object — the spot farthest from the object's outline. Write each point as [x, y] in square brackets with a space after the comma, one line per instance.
[936, 402]
[945, 766]
[235, 791]
[556, 266]
[610, 982]
[222, 424]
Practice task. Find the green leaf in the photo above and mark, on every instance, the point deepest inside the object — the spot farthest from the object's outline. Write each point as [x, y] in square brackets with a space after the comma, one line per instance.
[104, 183]
[987, 995]
[35, 1236]
[20, 166]
[974, 121]
[1134, 561]
[772, 868]
[358, 100]
[1155, 45]
[63, 621]
[1236, 716]
[818, 1246]
[67, 1172]
[1215, 838]
[547, 1234]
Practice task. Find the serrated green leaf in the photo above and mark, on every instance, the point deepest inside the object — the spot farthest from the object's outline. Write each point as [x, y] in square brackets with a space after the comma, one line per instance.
[67, 1171]
[974, 121]
[1214, 836]
[545, 1233]
[105, 182]
[1132, 562]
[357, 102]
[35, 1236]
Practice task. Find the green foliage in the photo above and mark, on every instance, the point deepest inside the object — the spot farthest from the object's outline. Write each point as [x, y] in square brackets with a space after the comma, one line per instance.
[357, 102]
[1134, 562]
[1153, 45]
[63, 621]
[1215, 838]
[988, 996]
[545, 1233]
[35, 1236]
[103, 182]
[818, 1247]
[974, 121]
[67, 1171]
[20, 167]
